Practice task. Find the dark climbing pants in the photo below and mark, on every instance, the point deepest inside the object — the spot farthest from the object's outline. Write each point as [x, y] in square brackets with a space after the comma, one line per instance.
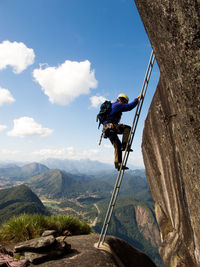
[112, 134]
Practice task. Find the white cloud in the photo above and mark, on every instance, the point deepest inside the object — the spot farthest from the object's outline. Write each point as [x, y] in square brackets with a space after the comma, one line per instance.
[26, 126]
[64, 83]
[2, 127]
[96, 100]
[55, 152]
[5, 97]
[17, 55]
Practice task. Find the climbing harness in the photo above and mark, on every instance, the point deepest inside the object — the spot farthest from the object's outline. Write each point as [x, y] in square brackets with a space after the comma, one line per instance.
[126, 153]
[108, 126]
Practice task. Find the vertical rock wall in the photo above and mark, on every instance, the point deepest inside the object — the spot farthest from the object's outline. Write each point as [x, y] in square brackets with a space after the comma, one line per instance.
[171, 137]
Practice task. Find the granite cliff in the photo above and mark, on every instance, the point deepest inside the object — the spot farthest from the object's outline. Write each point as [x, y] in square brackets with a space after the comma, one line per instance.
[147, 226]
[171, 136]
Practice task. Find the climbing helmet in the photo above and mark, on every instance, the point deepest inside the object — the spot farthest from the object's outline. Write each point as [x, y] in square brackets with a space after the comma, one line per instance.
[122, 96]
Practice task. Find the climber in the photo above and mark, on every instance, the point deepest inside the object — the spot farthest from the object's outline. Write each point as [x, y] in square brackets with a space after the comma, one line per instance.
[112, 128]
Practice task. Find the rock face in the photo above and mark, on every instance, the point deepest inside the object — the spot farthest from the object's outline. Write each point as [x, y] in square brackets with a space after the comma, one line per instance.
[171, 137]
[147, 225]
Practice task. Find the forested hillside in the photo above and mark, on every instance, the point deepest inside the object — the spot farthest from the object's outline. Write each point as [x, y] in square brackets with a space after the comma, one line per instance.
[56, 184]
[134, 222]
[18, 200]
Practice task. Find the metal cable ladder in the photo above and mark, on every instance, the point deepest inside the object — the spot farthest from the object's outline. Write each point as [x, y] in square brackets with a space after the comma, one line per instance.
[126, 153]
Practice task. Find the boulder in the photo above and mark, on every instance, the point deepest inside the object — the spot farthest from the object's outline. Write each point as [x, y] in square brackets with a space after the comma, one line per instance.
[49, 232]
[40, 243]
[128, 255]
[58, 250]
[42, 249]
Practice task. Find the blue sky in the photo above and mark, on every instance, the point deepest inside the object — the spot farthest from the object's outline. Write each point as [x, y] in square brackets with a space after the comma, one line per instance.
[58, 60]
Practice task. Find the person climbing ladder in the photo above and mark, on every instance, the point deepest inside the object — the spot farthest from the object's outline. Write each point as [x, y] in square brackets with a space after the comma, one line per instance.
[132, 131]
[112, 128]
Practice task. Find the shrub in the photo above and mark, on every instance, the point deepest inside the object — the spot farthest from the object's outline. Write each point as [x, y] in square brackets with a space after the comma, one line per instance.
[26, 226]
[60, 223]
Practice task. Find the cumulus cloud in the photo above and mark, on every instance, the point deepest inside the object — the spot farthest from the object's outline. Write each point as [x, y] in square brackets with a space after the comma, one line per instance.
[26, 126]
[17, 55]
[96, 100]
[64, 83]
[2, 127]
[5, 97]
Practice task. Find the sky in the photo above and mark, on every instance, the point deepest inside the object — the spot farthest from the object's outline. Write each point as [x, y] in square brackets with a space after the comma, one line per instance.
[59, 59]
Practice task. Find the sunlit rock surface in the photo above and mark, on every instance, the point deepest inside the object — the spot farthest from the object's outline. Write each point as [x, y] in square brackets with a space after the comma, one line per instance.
[171, 137]
[114, 253]
[147, 225]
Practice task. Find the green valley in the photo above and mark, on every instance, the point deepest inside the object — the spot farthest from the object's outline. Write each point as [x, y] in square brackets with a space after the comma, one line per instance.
[87, 198]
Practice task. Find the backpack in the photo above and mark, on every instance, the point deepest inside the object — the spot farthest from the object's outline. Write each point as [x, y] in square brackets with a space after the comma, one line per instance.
[105, 108]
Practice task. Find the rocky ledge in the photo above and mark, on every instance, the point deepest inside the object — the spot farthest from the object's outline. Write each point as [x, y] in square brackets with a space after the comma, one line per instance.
[35, 251]
[75, 251]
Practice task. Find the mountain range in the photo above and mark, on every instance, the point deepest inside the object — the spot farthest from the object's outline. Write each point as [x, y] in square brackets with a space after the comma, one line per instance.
[85, 166]
[57, 184]
[85, 196]
[14, 172]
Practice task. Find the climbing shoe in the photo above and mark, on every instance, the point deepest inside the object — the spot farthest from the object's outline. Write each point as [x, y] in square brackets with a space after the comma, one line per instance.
[118, 166]
[123, 148]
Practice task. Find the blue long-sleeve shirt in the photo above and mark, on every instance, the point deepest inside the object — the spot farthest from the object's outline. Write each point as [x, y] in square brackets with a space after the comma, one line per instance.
[117, 108]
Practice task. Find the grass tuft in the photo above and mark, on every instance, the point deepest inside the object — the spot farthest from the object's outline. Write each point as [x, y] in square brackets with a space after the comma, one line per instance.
[27, 226]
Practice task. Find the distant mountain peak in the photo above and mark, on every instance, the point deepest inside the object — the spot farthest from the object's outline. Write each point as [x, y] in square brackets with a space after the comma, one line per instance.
[22, 173]
[34, 166]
